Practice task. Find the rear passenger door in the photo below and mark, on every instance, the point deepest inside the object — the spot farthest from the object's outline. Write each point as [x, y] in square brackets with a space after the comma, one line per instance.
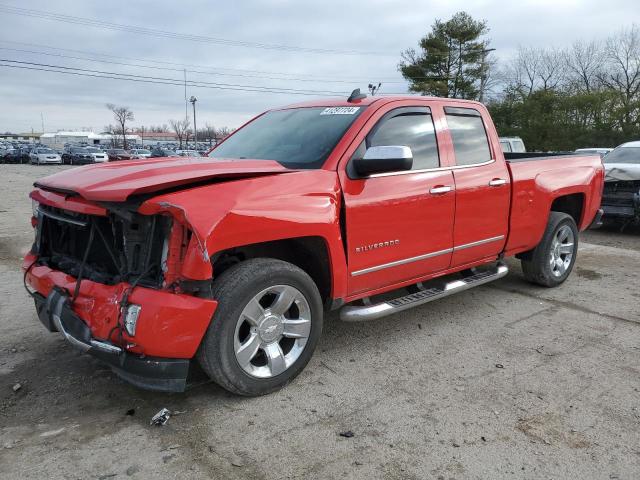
[482, 189]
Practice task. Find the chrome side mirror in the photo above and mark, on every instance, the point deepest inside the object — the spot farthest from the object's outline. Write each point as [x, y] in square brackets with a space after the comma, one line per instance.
[383, 159]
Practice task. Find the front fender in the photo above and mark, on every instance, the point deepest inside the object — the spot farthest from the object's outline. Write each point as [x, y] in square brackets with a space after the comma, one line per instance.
[247, 211]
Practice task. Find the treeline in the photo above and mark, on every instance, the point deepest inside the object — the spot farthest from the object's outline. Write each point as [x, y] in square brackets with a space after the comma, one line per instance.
[583, 95]
[587, 95]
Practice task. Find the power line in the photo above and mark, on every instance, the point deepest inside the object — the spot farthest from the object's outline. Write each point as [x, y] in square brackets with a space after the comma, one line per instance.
[175, 69]
[52, 16]
[156, 80]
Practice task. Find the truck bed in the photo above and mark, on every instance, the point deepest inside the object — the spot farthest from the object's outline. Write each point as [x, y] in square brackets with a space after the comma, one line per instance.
[536, 180]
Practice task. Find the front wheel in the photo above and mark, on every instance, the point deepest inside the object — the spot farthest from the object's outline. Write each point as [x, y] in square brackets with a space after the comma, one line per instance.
[551, 262]
[265, 329]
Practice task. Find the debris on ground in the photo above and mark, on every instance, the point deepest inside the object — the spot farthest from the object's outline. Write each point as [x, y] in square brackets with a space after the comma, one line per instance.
[499, 365]
[236, 461]
[131, 411]
[161, 418]
[17, 387]
[132, 470]
[347, 434]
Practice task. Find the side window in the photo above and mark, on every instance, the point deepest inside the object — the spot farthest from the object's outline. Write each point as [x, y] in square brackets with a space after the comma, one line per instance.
[470, 142]
[414, 130]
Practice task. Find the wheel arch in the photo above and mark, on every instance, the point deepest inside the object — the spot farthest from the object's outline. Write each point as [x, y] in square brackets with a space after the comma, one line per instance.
[572, 204]
[310, 253]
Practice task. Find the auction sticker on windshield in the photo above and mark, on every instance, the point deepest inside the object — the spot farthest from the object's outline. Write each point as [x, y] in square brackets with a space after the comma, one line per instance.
[339, 111]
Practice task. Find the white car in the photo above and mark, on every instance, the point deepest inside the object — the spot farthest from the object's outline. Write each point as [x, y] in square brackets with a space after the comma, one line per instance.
[141, 153]
[187, 153]
[512, 145]
[42, 156]
[98, 155]
[600, 150]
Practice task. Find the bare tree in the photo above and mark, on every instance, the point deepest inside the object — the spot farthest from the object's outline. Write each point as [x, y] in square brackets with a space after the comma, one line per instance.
[181, 129]
[523, 71]
[122, 115]
[550, 68]
[623, 72]
[584, 62]
[208, 133]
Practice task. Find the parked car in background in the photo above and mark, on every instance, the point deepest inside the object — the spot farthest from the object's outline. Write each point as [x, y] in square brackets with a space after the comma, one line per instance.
[621, 195]
[159, 152]
[116, 154]
[601, 151]
[187, 153]
[98, 154]
[77, 156]
[140, 153]
[13, 156]
[42, 156]
[512, 145]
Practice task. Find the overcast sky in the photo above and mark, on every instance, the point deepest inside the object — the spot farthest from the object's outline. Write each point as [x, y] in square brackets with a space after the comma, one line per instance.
[378, 30]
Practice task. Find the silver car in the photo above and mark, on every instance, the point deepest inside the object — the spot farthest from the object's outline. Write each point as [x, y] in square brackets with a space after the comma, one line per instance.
[42, 156]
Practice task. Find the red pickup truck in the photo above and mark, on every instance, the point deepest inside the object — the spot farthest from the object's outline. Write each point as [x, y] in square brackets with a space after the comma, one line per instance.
[234, 259]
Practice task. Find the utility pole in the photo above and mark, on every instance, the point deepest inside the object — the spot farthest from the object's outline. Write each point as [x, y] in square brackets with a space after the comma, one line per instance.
[374, 88]
[193, 100]
[42, 118]
[186, 105]
[484, 70]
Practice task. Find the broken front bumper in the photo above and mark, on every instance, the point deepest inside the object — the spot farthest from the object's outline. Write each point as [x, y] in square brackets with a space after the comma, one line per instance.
[169, 331]
[161, 374]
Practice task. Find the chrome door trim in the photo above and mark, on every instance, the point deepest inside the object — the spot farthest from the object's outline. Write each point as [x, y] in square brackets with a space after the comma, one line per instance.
[404, 261]
[477, 243]
[427, 170]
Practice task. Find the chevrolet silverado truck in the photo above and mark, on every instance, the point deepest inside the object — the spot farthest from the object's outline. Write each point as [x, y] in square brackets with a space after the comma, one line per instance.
[366, 205]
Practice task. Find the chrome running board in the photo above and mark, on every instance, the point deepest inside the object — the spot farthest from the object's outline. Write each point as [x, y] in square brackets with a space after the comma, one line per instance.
[369, 311]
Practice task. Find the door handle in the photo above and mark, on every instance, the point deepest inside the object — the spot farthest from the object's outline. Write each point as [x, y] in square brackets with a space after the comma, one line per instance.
[440, 190]
[496, 182]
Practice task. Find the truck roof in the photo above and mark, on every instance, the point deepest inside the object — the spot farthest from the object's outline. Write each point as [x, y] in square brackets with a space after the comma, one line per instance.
[635, 144]
[380, 100]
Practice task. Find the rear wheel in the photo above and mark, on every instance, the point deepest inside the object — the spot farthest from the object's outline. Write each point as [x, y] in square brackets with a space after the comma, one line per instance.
[551, 262]
[265, 329]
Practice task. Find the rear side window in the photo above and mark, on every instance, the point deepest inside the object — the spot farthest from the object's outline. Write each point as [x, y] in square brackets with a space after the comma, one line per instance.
[470, 142]
[414, 130]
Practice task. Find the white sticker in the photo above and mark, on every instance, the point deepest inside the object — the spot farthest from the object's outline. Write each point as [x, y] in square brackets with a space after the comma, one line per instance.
[339, 110]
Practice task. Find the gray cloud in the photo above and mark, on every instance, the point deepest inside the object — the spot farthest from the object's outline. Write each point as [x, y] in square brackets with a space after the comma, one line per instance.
[382, 26]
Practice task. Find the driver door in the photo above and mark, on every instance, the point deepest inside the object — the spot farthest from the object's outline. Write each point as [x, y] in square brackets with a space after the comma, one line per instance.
[399, 225]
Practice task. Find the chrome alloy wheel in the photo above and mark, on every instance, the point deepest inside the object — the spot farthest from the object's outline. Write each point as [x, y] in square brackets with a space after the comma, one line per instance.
[562, 250]
[272, 331]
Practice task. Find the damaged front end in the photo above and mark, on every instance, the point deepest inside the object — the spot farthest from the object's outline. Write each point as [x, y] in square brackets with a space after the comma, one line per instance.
[112, 281]
[621, 201]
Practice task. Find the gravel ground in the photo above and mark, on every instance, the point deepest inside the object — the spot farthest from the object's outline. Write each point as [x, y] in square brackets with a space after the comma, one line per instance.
[504, 381]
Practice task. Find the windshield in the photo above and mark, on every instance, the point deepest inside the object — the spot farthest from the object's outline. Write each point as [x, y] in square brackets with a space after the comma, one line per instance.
[623, 155]
[77, 150]
[295, 138]
[142, 151]
[45, 150]
[518, 146]
[93, 150]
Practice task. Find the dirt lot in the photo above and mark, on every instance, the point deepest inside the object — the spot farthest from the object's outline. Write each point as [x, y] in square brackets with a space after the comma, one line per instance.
[504, 381]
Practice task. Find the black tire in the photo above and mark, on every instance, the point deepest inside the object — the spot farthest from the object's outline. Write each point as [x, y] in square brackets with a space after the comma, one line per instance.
[536, 267]
[234, 289]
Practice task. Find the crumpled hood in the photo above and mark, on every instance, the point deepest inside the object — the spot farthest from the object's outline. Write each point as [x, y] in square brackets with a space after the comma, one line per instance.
[117, 181]
[619, 172]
